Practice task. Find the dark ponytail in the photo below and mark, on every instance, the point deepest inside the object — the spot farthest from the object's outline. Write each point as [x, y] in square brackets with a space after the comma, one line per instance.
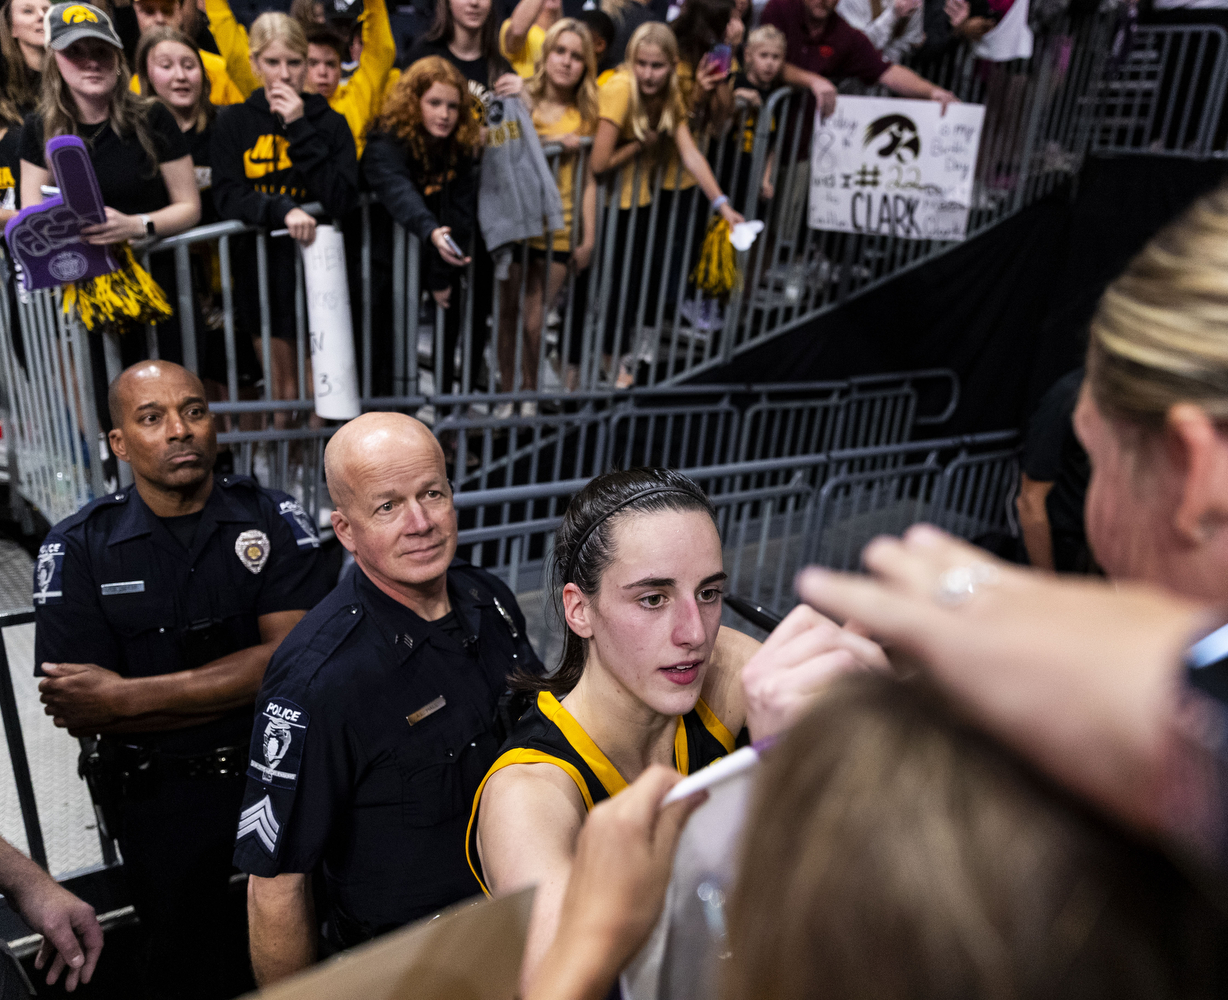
[584, 548]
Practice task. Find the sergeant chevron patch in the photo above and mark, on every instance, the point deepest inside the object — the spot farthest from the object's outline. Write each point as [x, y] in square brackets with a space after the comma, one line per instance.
[258, 819]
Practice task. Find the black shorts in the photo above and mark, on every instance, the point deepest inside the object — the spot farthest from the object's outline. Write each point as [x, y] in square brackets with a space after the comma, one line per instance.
[558, 257]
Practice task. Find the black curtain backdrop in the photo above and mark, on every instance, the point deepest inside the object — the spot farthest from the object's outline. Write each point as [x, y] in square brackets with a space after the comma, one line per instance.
[1008, 310]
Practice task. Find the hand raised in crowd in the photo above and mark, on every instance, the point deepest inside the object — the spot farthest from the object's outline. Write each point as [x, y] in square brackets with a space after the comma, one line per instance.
[82, 696]
[509, 85]
[957, 11]
[570, 142]
[115, 229]
[616, 887]
[709, 74]
[824, 94]
[735, 31]
[804, 653]
[767, 190]
[285, 101]
[442, 297]
[72, 938]
[1081, 676]
[302, 226]
[748, 95]
[440, 238]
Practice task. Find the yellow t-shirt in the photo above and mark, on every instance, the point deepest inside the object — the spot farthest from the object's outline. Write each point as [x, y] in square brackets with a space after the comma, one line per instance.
[549, 132]
[603, 78]
[614, 105]
[523, 62]
[222, 90]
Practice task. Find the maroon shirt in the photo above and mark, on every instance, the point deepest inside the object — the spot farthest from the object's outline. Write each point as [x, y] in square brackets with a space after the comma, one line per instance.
[836, 52]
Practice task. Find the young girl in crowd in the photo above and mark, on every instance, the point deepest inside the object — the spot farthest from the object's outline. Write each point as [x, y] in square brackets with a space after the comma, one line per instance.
[563, 92]
[169, 68]
[703, 80]
[21, 62]
[278, 150]
[139, 156]
[421, 161]
[466, 33]
[644, 128]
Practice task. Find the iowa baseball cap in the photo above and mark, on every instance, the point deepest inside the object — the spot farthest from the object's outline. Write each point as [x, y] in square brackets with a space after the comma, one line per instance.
[66, 23]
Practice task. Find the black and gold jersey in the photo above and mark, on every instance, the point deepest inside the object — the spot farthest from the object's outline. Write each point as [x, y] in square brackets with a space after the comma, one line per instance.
[548, 734]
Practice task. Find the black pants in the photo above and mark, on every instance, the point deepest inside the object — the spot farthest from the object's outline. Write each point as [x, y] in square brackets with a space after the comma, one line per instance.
[177, 840]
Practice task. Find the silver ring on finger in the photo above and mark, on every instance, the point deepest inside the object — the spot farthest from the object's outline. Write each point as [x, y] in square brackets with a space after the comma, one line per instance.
[960, 583]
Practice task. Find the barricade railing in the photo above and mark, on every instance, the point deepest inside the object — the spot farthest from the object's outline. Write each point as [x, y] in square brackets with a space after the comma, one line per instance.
[777, 515]
[632, 308]
[1163, 93]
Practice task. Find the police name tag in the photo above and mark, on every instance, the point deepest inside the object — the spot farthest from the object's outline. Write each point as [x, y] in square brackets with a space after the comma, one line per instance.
[430, 708]
[277, 746]
[129, 587]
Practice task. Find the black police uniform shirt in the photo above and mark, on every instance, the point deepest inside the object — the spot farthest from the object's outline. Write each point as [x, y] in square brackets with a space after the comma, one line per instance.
[128, 182]
[114, 586]
[374, 728]
[549, 734]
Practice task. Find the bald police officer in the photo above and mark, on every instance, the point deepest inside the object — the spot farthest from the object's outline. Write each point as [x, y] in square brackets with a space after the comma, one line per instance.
[157, 609]
[377, 718]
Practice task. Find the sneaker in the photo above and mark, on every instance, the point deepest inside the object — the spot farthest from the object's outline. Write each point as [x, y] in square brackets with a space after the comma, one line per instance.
[528, 408]
[426, 414]
[504, 411]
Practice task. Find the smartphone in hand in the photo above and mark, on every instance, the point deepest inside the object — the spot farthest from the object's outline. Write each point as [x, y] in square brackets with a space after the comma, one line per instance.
[720, 57]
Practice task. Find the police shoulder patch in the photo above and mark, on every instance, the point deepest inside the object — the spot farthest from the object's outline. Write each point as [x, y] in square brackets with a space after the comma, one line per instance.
[49, 573]
[277, 743]
[304, 531]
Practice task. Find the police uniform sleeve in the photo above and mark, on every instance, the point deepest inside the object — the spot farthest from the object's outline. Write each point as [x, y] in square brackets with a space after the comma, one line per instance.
[295, 577]
[525, 652]
[299, 779]
[69, 626]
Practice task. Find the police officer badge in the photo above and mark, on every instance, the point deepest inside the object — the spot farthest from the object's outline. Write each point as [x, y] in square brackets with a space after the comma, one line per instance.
[252, 548]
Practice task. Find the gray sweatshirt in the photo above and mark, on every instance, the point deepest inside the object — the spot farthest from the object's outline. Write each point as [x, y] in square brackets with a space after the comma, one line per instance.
[517, 196]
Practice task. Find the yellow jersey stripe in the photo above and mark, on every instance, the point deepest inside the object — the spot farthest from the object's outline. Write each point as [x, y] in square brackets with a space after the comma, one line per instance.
[714, 725]
[520, 755]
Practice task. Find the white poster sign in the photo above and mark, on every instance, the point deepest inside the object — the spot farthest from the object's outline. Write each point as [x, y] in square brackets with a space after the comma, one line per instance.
[892, 167]
[334, 370]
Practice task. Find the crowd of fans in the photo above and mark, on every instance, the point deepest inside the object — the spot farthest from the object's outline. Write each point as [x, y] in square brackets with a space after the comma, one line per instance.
[989, 781]
[264, 112]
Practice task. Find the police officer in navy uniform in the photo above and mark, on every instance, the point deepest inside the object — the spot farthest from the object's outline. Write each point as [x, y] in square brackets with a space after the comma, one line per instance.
[157, 609]
[379, 716]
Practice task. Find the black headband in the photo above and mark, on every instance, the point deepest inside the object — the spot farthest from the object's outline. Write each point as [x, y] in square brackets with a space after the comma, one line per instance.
[650, 491]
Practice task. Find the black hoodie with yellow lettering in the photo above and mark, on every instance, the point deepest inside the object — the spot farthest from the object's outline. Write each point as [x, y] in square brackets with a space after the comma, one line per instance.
[262, 168]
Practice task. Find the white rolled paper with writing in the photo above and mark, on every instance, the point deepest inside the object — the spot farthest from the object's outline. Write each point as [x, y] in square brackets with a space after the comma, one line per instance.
[334, 369]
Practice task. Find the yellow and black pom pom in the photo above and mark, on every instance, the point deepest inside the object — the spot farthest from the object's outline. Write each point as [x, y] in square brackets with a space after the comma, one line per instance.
[127, 295]
[716, 274]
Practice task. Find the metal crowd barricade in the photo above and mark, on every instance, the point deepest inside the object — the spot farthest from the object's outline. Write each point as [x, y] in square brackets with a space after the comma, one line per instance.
[638, 309]
[777, 515]
[1164, 94]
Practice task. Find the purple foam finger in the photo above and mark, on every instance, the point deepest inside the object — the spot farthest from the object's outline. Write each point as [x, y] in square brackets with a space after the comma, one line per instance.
[45, 239]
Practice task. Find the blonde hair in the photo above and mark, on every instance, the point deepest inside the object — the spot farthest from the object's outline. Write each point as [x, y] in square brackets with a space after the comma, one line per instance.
[766, 34]
[274, 26]
[585, 98]
[673, 113]
[1160, 333]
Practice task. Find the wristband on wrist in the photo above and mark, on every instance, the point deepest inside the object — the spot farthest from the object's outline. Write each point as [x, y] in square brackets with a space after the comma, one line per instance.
[719, 202]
